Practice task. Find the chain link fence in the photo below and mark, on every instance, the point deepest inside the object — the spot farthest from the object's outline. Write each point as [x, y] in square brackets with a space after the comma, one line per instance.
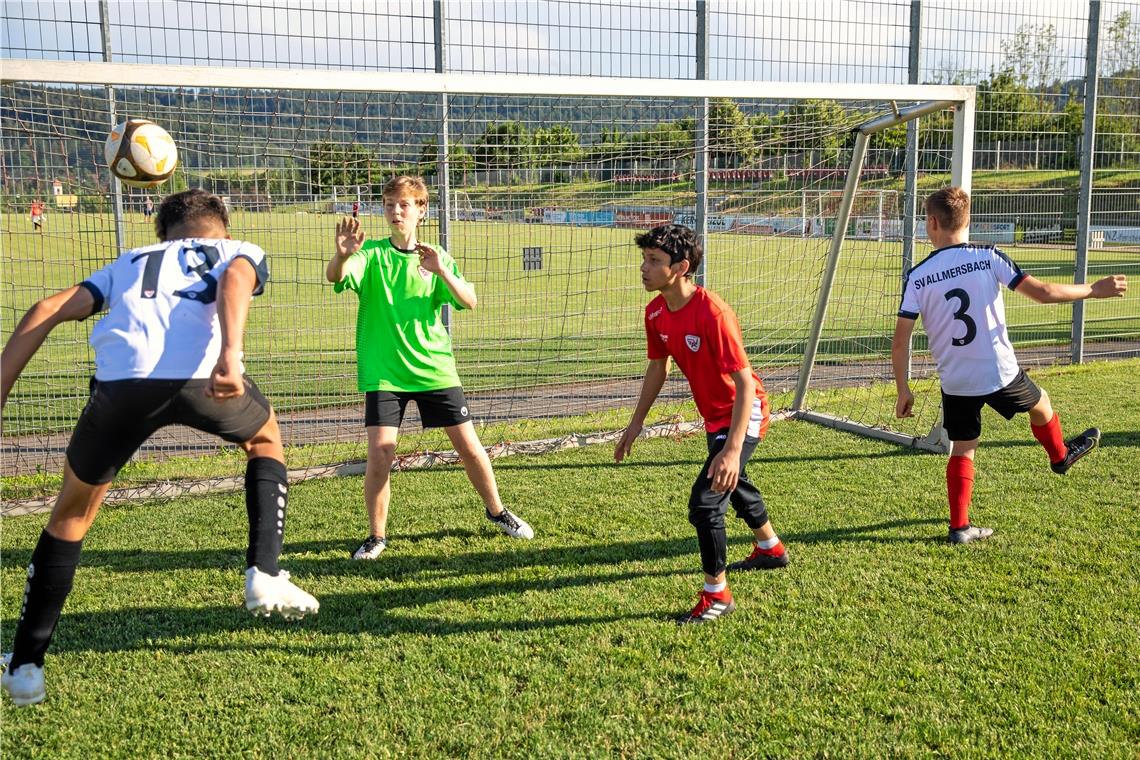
[1045, 73]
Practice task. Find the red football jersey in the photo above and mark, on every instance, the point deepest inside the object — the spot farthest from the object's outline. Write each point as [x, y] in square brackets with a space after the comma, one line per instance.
[704, 339]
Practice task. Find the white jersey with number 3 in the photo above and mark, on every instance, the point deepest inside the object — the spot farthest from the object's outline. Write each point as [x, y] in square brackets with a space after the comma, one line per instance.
[957, 290]
[162, 318]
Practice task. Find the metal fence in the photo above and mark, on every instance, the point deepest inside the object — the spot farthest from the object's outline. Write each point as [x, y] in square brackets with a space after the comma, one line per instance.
[1056, 154]
[1030, 62]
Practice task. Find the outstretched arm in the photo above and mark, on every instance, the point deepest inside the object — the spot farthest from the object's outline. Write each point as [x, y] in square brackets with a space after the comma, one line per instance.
[1113, 286]
[234, 293]
[69, 305]
[899, 345]
[655, 375]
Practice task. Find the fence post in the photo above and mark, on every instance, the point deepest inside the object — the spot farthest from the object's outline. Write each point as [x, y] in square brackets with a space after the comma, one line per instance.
[1088, 162]
[701, 157]
[116, 185]
[442, 164]
[910, 188]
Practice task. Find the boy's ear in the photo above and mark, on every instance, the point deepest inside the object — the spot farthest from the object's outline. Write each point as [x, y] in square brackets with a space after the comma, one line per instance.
[681, 267]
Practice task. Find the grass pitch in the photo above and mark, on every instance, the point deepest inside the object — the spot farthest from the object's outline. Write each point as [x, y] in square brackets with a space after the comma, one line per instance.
[879, 640]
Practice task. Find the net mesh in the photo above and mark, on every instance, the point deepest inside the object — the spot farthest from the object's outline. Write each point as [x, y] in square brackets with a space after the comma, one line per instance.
[546, 195]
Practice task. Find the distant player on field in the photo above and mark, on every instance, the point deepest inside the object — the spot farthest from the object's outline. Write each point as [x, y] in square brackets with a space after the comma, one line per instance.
[403, 351]
[957, 290]
[695, 328]
[36, 211]
[168, 351]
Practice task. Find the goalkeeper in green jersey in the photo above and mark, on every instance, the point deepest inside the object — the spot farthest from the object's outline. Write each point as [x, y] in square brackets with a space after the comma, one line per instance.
[403, 351]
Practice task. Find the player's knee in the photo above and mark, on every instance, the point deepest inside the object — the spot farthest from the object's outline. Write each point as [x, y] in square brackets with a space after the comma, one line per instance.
[705, 516]
[266, 442]
[381, 455]
[754, 516]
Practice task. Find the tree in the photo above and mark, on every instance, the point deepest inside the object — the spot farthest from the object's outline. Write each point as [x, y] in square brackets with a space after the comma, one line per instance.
[612, 148]
[814, 128]
[335, 165]
[556, 147]
[1122, 49]
[1006, 107]
[1033, 58]
[504, 146]
[731, 142]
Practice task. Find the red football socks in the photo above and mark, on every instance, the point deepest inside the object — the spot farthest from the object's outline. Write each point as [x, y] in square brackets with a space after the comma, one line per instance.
[959, 487]
[1049, 436]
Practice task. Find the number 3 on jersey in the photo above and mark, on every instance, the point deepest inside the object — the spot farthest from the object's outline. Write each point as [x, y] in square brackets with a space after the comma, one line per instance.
[961, 315]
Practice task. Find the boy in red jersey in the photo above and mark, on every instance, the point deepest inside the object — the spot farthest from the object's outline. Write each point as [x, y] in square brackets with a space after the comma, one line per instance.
[695, 328]
[37, 213]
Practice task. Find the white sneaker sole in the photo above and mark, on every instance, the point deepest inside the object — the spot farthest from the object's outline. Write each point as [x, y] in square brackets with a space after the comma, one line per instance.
[27, 701]
[289, 613]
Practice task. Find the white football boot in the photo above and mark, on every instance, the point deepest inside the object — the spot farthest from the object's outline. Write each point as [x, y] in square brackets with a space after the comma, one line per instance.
[25, 684]
[266, 594]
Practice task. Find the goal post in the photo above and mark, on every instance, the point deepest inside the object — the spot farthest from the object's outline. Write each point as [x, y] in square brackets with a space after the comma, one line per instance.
[549, 178]
[935, 440]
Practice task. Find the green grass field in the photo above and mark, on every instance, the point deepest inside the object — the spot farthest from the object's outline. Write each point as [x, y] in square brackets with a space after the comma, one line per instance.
[579, 320]
[880, 640]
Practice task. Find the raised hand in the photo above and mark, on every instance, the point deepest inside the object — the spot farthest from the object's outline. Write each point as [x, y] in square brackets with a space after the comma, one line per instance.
[429, 258]
[349, 237]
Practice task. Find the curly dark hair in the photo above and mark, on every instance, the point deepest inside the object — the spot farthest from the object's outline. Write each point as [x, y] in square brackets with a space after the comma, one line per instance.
[677, 240]
[186, 207]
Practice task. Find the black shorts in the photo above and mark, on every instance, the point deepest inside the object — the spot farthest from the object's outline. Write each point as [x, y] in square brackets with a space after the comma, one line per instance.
[442, 408]
[708, 507]
[122, 414]
[962, 415]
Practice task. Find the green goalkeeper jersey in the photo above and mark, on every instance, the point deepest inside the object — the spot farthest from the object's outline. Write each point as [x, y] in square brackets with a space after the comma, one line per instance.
[401, 342]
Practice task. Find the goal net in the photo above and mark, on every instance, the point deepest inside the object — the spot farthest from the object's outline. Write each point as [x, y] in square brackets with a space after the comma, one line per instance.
[539, 186]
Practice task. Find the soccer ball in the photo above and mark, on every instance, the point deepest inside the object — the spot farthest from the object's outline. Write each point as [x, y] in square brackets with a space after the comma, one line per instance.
[140, 153]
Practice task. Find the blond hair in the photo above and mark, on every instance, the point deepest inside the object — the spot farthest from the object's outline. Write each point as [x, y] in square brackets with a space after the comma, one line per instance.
[951, 207]
[406, 184]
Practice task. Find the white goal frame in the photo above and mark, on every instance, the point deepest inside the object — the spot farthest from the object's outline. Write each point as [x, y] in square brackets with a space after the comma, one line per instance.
[960, 99]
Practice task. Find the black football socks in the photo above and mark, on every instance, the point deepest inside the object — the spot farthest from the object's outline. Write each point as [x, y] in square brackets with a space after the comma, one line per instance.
[50, 575]
[266, 491]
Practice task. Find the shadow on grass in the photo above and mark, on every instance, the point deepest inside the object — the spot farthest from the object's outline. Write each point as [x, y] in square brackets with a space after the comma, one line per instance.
[300, 557]
[876, 533]
[1108, 439]
[385, 613]
[389, 611]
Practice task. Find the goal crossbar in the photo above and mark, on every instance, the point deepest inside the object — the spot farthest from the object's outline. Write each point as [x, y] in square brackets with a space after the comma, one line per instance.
[97, 73]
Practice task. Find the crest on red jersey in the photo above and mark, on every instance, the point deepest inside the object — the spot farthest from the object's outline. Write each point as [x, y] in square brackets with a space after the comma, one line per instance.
[693, 342]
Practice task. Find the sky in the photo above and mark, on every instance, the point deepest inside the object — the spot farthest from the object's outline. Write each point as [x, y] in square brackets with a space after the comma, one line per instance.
[782, 40]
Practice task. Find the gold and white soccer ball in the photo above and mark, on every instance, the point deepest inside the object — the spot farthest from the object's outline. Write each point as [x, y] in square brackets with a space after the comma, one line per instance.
[140, 153]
